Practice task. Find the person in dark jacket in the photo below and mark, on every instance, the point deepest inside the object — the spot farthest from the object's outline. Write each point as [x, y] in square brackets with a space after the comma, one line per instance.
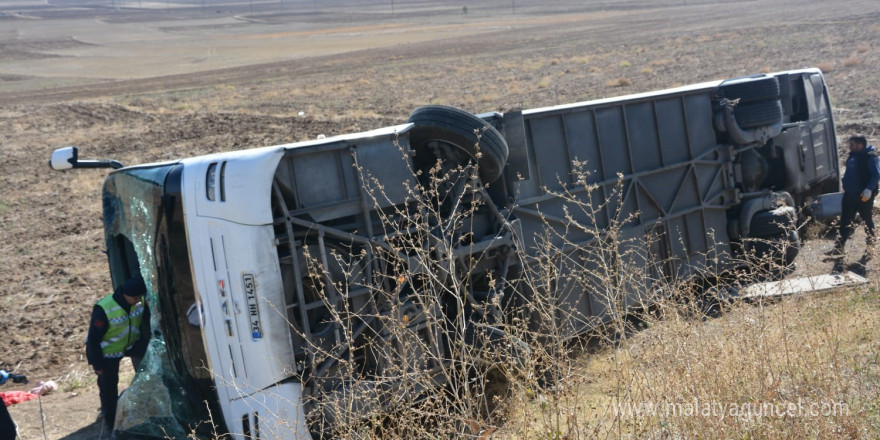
[116, 329]
[8, 430]
[860, 181]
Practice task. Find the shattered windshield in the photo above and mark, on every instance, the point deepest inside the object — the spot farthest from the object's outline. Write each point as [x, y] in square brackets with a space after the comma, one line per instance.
[144, 233]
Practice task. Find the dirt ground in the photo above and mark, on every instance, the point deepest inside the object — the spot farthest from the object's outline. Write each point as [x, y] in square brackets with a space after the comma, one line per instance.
[142, 82]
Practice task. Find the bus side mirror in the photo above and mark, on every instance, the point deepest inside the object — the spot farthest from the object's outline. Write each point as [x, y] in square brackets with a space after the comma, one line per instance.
[63, 158]
[68, 157]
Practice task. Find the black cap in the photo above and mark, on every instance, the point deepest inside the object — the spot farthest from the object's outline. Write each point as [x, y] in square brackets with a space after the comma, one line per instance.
[134, 287]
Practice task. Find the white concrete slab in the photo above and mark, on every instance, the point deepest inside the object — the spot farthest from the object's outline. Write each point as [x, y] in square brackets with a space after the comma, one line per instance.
[813, 284]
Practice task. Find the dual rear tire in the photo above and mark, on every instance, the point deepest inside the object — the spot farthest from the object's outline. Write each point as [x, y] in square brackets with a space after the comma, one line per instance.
[757, 99]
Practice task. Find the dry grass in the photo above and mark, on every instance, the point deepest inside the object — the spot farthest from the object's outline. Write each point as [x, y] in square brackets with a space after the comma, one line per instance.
[514, 87]
[76, 379]
[618, 82]
[544, 82]
[852, 62]
[815, 353]
[360, 113]
[825, 67]
[488, 98]
[661, 62]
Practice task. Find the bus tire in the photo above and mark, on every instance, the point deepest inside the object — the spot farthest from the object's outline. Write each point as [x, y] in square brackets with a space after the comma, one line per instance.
[758, 114]
[468, 133]
[773, 222]
[752, 90]
[773, 237]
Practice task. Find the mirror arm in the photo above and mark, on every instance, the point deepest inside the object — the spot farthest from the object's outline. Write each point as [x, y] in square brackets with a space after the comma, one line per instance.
[106, 163]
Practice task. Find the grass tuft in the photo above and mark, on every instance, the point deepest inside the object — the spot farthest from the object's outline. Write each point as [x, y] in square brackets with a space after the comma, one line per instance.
[825, 67]
[852, 62]
[618, 82]
[544, 82]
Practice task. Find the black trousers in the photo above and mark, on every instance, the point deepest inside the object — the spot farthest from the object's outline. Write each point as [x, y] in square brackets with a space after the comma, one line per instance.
[7, 428]
[853, 205]
[108, 388]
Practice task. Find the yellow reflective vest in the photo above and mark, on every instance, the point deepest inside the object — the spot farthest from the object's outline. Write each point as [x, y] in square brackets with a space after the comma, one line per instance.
[124, 329]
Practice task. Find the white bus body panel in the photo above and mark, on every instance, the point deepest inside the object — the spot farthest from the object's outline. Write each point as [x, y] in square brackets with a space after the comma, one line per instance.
[238, 283]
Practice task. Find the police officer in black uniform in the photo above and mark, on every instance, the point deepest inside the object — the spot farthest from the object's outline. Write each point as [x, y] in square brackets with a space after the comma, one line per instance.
[860, 181]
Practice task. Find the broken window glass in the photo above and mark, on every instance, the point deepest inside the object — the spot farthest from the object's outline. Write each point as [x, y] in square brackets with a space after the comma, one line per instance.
[157, 404]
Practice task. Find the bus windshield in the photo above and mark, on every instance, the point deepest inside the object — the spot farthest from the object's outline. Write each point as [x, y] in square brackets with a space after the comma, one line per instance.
[144, 233]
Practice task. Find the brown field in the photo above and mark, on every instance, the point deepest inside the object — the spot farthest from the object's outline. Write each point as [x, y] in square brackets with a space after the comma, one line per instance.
[151, 81]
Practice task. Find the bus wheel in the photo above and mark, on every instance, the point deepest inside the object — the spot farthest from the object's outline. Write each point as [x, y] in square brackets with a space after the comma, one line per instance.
[466, 133]
[751, 89]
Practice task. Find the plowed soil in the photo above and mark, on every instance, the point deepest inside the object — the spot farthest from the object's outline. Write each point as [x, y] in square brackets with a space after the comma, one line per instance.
[180, 80]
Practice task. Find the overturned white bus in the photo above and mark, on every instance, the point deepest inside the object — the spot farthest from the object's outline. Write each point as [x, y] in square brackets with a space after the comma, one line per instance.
[243, 328]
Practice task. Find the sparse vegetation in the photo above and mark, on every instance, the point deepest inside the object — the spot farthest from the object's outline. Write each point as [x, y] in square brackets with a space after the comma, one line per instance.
[825, 67]
[76, 380]
[618, 82]
[796, 351]
[852, 62]
[661, 62]
[544, 82]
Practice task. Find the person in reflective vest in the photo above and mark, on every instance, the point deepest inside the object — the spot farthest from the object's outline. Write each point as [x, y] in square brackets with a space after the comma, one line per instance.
[119, 327]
